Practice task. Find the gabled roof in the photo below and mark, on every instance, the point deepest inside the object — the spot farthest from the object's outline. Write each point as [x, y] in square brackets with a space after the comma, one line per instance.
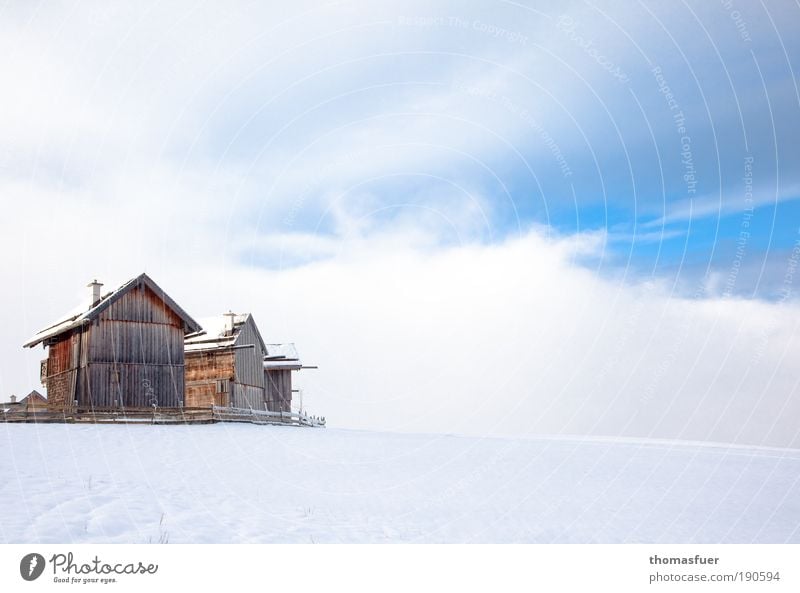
[217, 332]
[72, 321]
[33, 396]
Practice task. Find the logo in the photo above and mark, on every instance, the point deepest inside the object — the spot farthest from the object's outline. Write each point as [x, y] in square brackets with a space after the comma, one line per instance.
[31, 567]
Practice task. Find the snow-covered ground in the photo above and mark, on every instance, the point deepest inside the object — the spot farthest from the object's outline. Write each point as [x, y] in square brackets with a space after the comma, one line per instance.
[242, 483]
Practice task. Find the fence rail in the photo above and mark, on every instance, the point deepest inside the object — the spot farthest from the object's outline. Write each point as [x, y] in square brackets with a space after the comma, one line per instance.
[265, 417]
[159, 416]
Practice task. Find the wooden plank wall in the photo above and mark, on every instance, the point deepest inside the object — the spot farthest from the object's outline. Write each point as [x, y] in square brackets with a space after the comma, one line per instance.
[248, 396]
[279, 390]
[248, 390]
[249, 361]
[62, 365]
[134, 354]
[203, 370]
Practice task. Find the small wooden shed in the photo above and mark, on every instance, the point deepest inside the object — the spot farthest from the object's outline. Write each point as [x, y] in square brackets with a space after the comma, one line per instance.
[123, 349]
[33, 402]
[223, 363]
[279, 363]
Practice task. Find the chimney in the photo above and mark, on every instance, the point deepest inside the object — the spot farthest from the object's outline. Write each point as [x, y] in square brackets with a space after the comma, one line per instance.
[95, 286]
[229, 319]
[13, 399]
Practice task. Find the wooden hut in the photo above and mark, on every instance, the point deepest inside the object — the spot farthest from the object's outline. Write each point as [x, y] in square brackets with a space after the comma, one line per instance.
[34, 402]
[12, 405]
[228, 364]
[279, 363]
[123, 349]
[223, 363]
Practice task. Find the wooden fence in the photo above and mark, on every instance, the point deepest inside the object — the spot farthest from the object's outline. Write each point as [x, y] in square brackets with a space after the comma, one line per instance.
[222, 414]
[159, 416]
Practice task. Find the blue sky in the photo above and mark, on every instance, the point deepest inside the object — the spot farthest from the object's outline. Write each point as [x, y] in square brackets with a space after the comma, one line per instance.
[481, 110]
[344, 170]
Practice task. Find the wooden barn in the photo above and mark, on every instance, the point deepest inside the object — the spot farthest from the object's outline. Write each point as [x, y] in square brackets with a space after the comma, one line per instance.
[223, 363]
[123, 349]
[229, 365]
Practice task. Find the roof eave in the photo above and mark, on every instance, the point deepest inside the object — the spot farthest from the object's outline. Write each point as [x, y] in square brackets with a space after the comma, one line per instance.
[190, 326]
[47, 334]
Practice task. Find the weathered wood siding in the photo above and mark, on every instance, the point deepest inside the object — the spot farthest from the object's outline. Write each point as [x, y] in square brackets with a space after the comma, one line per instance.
[249, 356]
[239, 364]
[134, 354]
[247, 396]
[66, 364]
[35, 404]
[248, 389]
[205, 395]
[203, 370]
[62, 371]
[279, 390]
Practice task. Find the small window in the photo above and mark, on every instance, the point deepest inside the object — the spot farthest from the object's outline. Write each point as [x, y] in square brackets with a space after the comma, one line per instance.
[222, 385]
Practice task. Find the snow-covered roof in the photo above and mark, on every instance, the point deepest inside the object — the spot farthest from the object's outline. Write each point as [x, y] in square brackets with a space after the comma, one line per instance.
[83, 315]
[282, 357]
[214, 334]
[288, 351]
[208, 345]
[282, 365]
[218, 332]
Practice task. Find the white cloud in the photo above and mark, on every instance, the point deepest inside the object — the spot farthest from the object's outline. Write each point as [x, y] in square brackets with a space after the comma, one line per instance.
[510, 338]
[514, 338]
